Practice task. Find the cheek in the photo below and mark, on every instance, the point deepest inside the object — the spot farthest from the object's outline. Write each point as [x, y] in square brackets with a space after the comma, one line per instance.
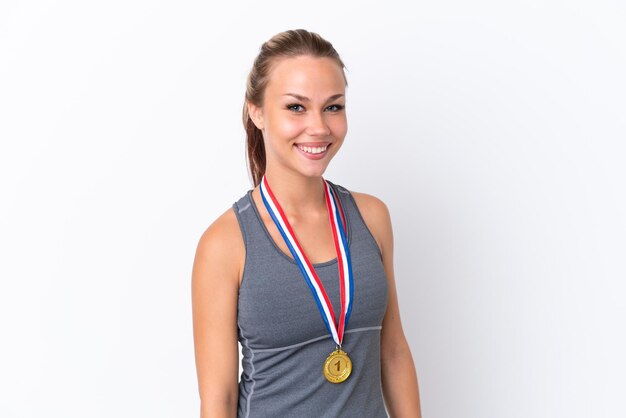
[339, 127]
[286, 127]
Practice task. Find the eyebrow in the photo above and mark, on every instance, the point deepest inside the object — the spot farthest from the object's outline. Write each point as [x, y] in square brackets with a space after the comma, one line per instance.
[306, 99]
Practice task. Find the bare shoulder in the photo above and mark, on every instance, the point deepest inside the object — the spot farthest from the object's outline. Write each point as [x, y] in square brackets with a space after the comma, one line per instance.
[369, 203]
[222, 244]
[376, 216]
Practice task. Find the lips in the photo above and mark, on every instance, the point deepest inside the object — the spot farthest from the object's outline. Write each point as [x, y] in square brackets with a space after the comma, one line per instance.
[313, 150]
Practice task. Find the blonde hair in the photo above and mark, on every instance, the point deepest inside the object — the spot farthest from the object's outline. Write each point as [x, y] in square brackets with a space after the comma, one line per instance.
[288, 44]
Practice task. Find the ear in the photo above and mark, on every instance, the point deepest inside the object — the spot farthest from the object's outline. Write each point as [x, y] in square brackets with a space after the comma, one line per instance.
[256, 114]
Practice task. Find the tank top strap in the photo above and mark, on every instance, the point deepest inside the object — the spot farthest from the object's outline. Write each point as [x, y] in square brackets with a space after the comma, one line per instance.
[251, 226]
[357, 228]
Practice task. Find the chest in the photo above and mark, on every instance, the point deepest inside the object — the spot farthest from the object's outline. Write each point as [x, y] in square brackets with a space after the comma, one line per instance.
[277, 309]
[313, 232]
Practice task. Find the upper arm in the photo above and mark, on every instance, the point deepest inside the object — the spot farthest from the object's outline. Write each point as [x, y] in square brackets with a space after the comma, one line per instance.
[215, 285]
[378, 219]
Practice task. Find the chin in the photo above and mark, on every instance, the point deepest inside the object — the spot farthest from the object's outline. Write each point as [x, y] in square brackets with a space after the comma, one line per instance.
[313, 172]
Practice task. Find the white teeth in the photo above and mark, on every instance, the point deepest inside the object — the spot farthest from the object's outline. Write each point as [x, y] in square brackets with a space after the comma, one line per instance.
[313, 150]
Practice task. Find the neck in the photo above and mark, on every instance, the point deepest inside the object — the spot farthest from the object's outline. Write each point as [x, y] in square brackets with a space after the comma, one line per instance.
[297, 194]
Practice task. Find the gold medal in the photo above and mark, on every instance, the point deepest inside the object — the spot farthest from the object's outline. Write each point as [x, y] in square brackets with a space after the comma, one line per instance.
[337, 366]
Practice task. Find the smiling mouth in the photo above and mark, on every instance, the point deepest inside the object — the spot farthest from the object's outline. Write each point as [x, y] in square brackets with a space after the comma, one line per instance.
[312, 149]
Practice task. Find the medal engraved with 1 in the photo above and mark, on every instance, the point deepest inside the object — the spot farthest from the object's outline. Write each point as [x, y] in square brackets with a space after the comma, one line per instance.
[337, 366]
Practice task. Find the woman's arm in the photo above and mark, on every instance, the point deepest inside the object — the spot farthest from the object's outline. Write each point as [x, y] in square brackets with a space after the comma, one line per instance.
[215, 283]
[399, 379]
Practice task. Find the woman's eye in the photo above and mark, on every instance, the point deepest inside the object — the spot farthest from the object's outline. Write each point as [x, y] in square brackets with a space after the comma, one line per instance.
[295, 107]
[335, 108]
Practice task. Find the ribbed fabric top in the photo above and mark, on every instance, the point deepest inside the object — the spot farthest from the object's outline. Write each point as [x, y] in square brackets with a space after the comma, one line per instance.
[283, 336]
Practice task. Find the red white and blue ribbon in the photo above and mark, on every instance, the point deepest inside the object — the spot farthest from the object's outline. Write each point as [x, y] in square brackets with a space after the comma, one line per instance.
[337, 221]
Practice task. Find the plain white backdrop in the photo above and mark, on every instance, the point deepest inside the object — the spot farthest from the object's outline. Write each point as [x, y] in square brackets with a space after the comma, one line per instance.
[494, 131]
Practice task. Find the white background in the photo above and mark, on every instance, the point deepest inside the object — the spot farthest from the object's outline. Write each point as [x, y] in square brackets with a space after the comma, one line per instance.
[494, 131]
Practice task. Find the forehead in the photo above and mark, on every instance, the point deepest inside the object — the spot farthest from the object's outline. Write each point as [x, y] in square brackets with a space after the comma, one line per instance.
[306, 75]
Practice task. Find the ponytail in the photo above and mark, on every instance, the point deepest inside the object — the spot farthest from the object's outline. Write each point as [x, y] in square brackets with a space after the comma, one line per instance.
[255, 148]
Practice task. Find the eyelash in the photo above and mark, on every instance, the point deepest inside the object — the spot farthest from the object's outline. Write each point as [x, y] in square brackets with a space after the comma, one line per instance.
[293, 105]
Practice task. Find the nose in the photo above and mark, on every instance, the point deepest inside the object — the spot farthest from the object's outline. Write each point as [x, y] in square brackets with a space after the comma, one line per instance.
[317, 125]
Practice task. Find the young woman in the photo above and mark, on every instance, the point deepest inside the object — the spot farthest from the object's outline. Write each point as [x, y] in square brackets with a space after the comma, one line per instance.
[299, 269]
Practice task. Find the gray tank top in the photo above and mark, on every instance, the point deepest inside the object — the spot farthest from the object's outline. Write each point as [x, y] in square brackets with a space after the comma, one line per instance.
[283, 336]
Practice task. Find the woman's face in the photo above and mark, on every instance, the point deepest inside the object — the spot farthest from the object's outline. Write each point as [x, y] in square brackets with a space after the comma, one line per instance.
[303, 116]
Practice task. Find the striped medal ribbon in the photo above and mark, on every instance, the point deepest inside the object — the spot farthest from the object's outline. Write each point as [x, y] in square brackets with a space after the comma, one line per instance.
[338, 365]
